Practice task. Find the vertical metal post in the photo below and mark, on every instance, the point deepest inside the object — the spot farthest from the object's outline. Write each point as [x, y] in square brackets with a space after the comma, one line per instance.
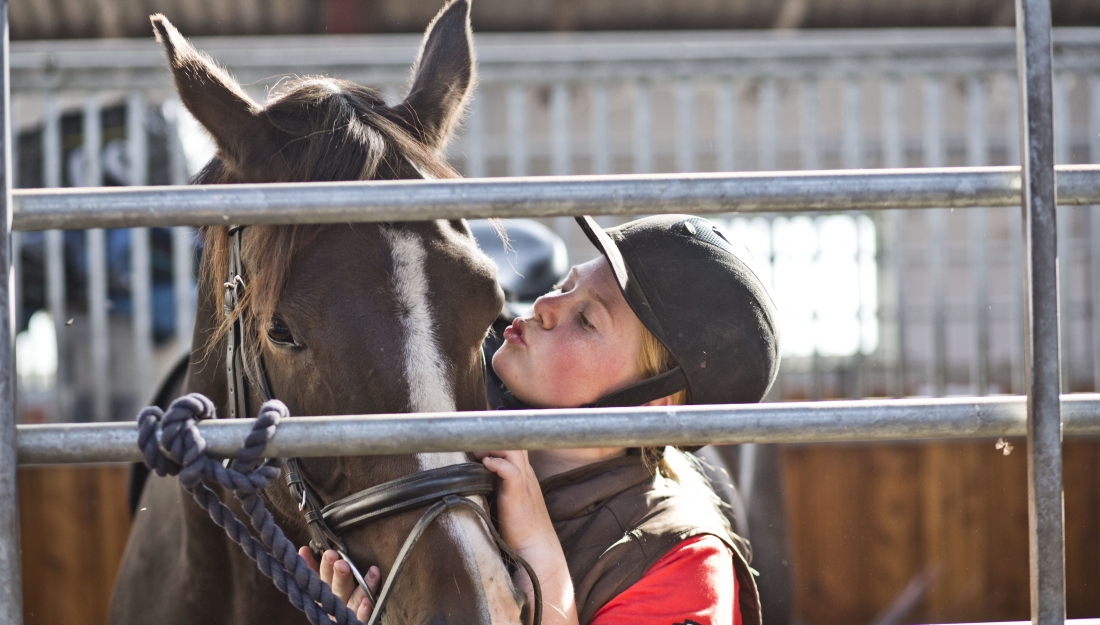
[934, 156]
[55, 258]
[473, 140]
[685, 125]
[767, 112]
[183, 236]
[643, 127]
[852, 157]
[177, 160]
[599, 130]
[810, 154]
[98, 322]
[561, 149]
[1016, 255]
[182, 282]
[977, 156]
[561, 145]
[1066, 256]
[852, 140]
[1094, 218]
[1044, 420]
[11, 586]
[140, 269]
[17, 292]
[894, 157]
[516, 103]
[809, 145]
[727, 125]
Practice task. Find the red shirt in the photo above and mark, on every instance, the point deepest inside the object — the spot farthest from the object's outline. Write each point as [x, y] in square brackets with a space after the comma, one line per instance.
[693, 584]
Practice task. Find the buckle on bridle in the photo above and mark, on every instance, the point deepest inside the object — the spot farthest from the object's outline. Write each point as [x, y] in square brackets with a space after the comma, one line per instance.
[235, 282]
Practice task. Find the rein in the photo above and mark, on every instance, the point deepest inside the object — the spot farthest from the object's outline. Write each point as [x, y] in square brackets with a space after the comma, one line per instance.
[441, 489]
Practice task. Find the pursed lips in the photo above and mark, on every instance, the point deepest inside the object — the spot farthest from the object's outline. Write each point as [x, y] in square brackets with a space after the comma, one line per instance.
[514, 333]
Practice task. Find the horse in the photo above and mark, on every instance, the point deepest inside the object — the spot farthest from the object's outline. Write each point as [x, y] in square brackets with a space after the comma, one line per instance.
[343, 319]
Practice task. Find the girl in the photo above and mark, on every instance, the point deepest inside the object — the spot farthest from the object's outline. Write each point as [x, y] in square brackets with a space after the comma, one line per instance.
[668, 315]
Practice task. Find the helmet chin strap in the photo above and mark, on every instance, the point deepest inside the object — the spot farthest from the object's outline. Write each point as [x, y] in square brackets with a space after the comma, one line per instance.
[663, 385]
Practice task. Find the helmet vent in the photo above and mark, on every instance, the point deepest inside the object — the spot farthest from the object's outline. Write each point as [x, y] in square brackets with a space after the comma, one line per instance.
[704, 230]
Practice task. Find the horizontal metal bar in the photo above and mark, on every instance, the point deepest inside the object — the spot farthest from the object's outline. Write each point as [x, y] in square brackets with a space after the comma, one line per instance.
[877, 420]
[639, 194]
[380, 59]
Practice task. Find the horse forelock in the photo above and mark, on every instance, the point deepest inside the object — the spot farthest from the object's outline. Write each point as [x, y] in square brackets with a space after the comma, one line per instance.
[332, 130]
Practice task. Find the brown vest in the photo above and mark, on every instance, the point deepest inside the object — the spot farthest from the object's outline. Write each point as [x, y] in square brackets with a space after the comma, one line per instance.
[616, 519]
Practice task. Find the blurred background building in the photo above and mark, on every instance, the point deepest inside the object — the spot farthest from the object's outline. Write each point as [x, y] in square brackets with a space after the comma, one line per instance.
[57, 19]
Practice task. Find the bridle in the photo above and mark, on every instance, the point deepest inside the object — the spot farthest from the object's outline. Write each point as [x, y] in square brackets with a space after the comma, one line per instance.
[440, 489]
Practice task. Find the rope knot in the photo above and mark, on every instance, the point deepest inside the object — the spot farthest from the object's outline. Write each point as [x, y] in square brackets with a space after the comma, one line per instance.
[171, 444]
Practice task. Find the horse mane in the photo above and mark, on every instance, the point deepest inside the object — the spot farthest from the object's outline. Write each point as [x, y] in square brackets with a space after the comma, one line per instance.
[332, 130]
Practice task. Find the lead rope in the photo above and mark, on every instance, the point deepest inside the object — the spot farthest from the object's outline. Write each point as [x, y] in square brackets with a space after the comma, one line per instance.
[172, 445]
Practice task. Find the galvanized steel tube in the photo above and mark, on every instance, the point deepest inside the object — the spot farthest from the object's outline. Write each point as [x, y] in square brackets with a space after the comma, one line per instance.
[1094, 226]
[99, 338]
[809, 422]
[141, 279]
[416, 200]
[11, 581]
[1044, 425]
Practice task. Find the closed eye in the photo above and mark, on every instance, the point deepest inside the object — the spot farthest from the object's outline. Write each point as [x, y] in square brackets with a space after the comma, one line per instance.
[585, 323]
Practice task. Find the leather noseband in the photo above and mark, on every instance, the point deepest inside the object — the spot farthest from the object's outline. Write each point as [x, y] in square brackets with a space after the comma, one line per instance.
[405, 493]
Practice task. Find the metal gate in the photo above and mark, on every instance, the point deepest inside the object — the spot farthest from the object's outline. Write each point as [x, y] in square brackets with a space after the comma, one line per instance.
[1035, 187]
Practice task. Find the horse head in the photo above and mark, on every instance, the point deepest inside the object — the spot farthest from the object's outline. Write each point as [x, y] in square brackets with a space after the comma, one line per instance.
[356, 318]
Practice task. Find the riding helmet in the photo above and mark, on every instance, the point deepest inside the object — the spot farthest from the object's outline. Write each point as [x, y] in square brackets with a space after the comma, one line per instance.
[683, 279]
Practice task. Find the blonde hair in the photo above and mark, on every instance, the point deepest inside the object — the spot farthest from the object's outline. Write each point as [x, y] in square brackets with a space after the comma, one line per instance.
[653, 360]
[672, 462]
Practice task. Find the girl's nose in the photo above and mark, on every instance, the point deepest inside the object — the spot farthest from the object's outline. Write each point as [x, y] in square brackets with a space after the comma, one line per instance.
[546, 311]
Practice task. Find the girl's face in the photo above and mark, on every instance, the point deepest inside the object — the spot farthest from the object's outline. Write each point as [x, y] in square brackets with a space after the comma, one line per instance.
[579, 343]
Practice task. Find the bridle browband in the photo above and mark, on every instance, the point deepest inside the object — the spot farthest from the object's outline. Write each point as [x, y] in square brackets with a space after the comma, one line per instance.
[441, 489]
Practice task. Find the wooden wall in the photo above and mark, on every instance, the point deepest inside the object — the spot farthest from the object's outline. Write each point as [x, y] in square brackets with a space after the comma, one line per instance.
[74, 522]
[866, 520]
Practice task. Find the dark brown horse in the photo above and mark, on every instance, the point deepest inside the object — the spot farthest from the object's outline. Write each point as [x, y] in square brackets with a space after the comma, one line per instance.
[347, 319]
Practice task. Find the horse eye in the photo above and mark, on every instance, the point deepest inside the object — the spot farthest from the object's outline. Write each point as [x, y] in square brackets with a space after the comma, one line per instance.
[278, 332]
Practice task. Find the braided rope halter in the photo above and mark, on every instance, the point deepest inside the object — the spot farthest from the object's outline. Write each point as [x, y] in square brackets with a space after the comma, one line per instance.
[172, 444]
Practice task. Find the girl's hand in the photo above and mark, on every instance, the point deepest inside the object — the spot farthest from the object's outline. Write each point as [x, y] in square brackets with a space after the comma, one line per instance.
[524, 521]
[526, 527]
[337, 573]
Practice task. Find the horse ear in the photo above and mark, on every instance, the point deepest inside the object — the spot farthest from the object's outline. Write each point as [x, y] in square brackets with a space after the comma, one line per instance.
[213, 96]
[443, 77]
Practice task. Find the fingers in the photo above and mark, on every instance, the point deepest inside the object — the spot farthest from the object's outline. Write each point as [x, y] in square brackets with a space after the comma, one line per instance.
[364, 609]
[517, 456]
[503, 468]
[328, 559]
[343, 582]
[374, 579]
[359, 601]
[307, 554]
[337, 573]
